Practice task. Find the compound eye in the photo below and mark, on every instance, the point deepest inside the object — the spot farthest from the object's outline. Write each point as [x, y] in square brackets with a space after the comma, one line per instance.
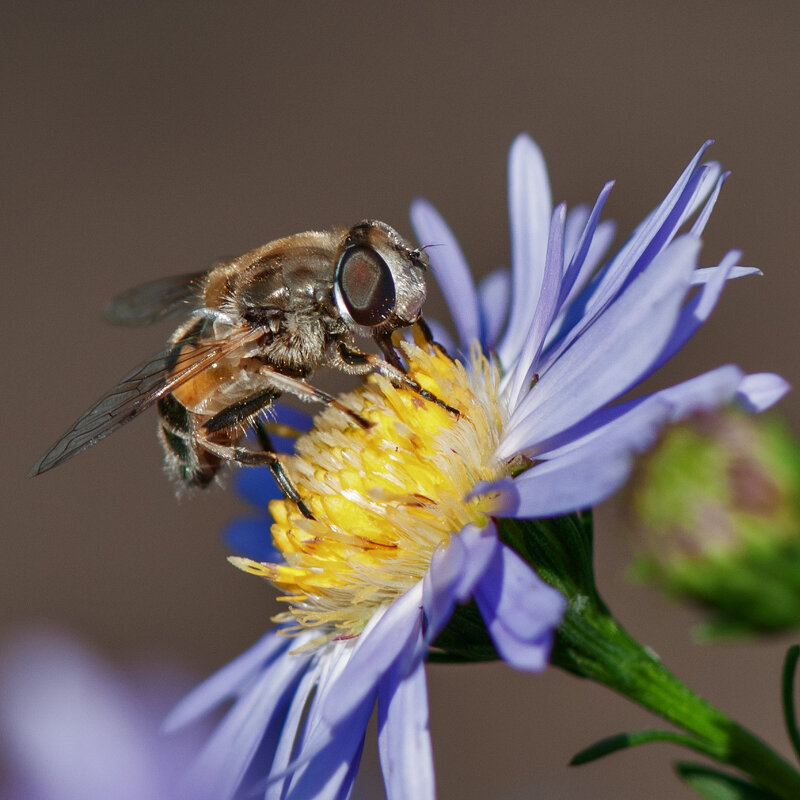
[365, 285]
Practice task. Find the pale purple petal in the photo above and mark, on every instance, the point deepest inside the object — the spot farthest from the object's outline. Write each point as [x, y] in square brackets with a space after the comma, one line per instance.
[481, 545]
[291, 735]
[598, 247]
[520, 610]
[333, 663]
[228, 681]
[703, 392]
[335, 724]
[570, 309]
[330, 774]
[450, 269]
[610, 356]
[573, 228]
[633, 425]
[696, 311]
[571, 483]
[705, 274]
[702, 219]
[226, 757]
[577, 259]
[313, 758]
[500, 502]
[404, 739]
[530, 207]
[515, 594]
[697, 188]
[546, 306]
[650, 238]
[376, 649]
[453, 573]
[533, 656]
[759, 391]
[595, 461]
[440, 582]
[707, 297]
[704, 193]
[306, 734]
[494, 294]
[651, 235]
[629, 425]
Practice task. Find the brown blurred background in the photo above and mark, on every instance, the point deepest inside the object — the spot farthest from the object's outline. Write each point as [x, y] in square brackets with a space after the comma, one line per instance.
[146, 139]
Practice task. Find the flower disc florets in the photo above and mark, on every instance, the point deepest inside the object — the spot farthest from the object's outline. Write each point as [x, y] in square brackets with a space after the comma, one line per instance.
[384, 498]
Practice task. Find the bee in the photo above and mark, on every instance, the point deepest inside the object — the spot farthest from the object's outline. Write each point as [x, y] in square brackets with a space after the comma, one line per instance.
[259, 325]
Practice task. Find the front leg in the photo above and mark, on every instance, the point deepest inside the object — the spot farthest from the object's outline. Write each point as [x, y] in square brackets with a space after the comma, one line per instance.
[369, 362]
[427, 336]
[422, 336]
[390, 354]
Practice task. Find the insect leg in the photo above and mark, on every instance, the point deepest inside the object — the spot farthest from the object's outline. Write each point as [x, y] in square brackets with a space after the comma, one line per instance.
[390, 354]
[240, 411]
[353, 357]
[278, 470]
[422, 336]
[427, 336]
[303, 390]
[267, 458]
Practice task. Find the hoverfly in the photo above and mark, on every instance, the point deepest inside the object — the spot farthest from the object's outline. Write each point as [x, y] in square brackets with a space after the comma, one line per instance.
[259, 326]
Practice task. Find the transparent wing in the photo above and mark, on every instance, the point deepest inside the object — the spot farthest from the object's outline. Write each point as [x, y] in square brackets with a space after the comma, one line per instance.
[157, 300]
[139, 390]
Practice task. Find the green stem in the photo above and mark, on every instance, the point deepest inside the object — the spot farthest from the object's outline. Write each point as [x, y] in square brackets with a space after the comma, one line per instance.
[591, 644]
[787, 696]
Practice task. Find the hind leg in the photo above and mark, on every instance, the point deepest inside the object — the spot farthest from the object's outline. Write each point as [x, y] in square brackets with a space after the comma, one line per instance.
[244, 412]
[264, 458]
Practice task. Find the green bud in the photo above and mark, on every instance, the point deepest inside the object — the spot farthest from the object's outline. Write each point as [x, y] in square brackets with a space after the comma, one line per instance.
[715, 509]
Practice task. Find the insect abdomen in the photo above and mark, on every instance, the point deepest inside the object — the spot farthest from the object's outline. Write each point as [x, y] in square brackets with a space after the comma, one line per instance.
[187, 463]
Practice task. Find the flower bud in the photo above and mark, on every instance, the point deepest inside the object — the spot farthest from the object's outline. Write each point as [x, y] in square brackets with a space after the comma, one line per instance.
[715, 508]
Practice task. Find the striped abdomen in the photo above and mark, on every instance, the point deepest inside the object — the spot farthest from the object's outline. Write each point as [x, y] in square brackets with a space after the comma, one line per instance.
[183, 413]
[186, 461]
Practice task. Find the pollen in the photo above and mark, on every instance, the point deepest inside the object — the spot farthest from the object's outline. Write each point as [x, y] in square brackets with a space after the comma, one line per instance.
[384, 497]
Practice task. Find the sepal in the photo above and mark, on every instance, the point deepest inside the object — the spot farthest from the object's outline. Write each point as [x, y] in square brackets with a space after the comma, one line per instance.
[464, 640]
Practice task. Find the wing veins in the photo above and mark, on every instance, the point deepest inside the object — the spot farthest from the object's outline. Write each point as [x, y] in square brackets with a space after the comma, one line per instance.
[157, 300]
[136, 392]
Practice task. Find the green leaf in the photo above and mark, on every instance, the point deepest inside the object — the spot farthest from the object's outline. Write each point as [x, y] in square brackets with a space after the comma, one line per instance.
[622, 741]
[787, 695]
[715, 785]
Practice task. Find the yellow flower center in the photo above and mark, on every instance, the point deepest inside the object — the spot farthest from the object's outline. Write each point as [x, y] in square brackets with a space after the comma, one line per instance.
[384, 498]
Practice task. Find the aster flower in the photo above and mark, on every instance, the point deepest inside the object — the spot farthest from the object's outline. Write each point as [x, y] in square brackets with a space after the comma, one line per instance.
[73, 728]
[406, 514]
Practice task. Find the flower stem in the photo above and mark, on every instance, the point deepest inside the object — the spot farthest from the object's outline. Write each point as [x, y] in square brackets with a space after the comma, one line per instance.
[594, 646]
[591, 644]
